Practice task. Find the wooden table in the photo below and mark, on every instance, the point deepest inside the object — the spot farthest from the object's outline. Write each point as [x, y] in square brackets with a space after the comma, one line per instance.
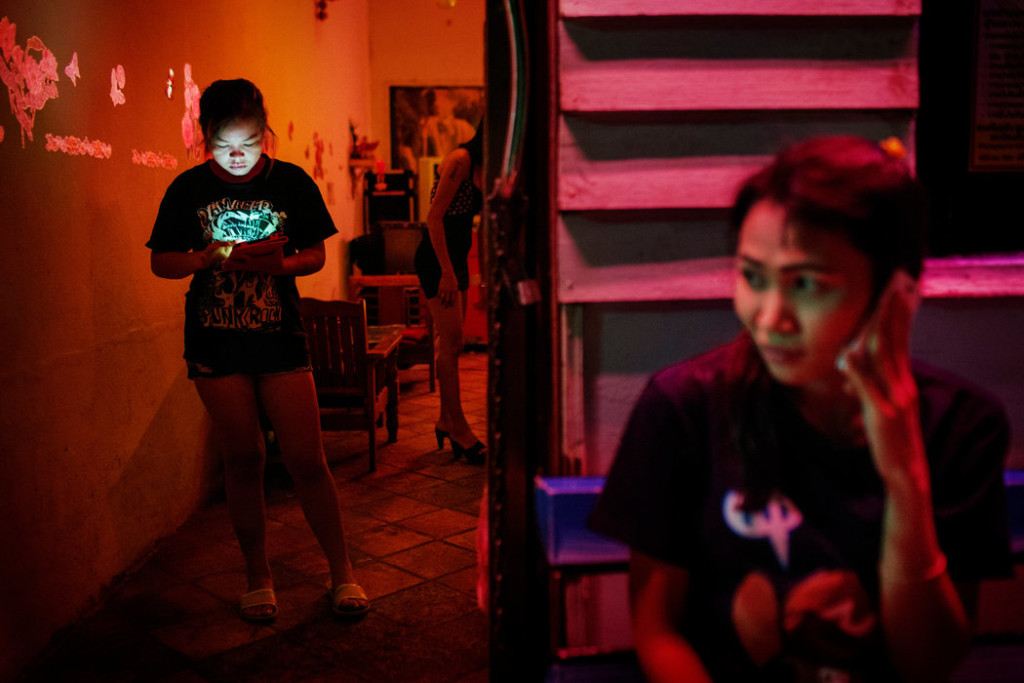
[382, 352]
[355, 282]
[386, 300]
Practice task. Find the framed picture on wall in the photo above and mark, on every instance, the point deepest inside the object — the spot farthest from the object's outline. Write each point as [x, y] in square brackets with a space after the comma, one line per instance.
[430, 121]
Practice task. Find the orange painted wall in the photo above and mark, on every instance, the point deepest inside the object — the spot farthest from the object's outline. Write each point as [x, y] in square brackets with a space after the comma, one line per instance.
[417, 42]
[103, 443]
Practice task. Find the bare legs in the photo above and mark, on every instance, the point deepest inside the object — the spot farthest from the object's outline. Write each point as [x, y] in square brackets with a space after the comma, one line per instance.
[231, 403]
[290, 402]
[448, 327]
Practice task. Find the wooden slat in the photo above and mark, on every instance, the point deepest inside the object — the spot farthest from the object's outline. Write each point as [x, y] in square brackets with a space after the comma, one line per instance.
[573, 394]
[984, 276]
[618, 8]
[743, 65]
[598, 249]
[690, 85]
[690, 280]
[698, 182]
[639, 164]
[711, 279]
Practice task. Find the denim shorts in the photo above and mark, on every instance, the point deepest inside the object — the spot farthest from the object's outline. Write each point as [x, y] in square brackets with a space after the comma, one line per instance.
[200, 371]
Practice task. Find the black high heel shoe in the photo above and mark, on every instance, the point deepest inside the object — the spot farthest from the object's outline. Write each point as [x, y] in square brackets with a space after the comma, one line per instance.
[475, 454]
[441, 436]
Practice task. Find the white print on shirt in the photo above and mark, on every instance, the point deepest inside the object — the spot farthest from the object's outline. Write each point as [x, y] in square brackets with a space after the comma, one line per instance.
[232, 220]
[240, 300]
[775, 522]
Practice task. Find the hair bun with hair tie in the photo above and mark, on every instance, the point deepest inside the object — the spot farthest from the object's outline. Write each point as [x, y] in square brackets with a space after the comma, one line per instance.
[894, 148]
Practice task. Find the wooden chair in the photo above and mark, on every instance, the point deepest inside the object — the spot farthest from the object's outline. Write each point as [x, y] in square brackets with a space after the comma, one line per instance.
[391, 300]
[417, 345]
[348, 389]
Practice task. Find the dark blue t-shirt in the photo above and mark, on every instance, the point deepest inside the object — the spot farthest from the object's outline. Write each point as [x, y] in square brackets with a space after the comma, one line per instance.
[809, 557]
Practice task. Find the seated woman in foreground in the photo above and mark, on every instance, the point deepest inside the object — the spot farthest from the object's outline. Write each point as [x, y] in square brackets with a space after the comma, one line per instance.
[807, 503]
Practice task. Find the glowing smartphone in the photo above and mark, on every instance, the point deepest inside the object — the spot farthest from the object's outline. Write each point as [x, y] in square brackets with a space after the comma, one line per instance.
[263, 247]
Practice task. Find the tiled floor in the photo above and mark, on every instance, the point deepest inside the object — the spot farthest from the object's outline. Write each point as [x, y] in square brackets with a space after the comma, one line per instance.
[411, 529]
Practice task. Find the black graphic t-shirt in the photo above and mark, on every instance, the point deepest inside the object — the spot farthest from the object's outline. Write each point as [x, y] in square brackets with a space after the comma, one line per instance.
[241, 320]
[789, 592]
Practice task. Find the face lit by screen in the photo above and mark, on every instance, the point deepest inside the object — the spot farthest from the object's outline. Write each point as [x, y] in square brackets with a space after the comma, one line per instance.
[237, 146]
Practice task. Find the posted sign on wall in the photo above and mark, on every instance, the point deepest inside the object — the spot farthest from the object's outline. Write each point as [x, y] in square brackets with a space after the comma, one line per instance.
[997, 121]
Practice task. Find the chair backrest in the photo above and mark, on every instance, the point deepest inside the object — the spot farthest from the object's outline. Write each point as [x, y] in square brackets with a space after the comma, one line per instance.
[336, 331]
[416, 312]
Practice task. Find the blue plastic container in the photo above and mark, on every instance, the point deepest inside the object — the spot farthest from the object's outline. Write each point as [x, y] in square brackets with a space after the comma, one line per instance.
[563, 505]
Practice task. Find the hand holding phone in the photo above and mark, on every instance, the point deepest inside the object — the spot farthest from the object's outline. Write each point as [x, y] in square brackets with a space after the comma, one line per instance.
[263, 247]
[263, 255]
[886, 328]
[877, 371]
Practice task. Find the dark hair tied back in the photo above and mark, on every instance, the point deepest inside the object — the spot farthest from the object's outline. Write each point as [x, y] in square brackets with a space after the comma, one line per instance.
[475, 145]
[226, 101]
[852, 186]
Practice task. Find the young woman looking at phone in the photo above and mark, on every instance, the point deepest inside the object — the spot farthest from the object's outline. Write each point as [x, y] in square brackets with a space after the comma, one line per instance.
[808, 503]
[245, 349]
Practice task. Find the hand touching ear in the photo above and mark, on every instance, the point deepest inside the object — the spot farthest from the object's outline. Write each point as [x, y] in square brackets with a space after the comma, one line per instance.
[877, 368]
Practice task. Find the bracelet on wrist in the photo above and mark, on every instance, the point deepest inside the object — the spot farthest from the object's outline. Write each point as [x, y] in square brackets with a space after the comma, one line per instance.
[934, 571]
[937, 569]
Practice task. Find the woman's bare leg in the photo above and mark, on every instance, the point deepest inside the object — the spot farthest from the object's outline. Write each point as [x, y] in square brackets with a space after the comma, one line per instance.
[290, 402]
[231, 404]
[450, 342]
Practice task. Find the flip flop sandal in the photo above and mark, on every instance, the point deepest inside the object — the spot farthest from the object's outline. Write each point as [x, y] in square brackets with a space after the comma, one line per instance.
[261, 597]
[341, 596]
